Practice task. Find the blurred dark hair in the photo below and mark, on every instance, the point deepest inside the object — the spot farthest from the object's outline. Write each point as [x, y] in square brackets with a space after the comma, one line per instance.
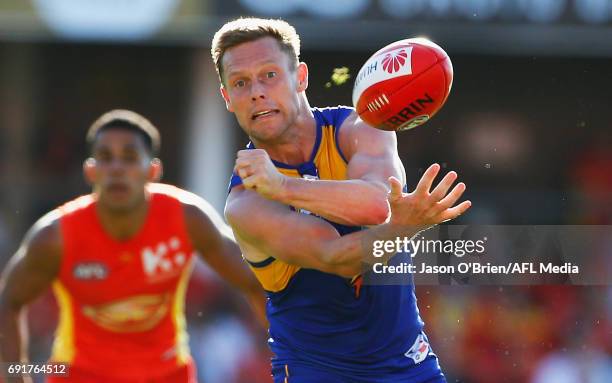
[126, 120]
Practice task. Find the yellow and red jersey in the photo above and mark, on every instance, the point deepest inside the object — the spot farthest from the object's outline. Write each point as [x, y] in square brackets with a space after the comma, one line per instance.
[122, 302]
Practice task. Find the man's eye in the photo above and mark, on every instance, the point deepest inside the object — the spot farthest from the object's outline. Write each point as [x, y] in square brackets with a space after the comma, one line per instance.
[239, 83]
[271, 74]
[130, 159]
[102, 158]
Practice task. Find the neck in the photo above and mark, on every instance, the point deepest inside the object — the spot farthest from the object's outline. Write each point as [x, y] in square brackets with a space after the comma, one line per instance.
[295, 145]
[123, 225]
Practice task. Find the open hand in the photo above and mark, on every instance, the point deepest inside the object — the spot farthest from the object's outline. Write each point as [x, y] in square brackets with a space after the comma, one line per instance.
[423, 207]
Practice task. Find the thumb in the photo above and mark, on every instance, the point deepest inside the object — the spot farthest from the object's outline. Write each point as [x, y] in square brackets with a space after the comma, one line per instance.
[396, 189]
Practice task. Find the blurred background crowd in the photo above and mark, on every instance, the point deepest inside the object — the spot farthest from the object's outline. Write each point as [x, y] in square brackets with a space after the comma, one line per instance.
[527, 126]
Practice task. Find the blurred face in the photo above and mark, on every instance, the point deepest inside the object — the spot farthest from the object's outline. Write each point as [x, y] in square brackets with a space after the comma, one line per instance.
[261, 89]
[119, 169]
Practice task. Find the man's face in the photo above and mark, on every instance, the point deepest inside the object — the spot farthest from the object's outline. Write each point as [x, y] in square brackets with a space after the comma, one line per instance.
[120, 169]
[261, 88]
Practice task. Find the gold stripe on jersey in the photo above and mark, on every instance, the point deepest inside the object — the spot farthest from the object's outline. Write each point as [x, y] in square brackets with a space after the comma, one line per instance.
[63, 346]
[275, 276]
[328, 160]
[178, 317]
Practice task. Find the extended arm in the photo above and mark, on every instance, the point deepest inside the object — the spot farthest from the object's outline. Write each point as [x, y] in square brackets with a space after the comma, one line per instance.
[267, 228]
[29, 273]
[359, 200]
[213, 240]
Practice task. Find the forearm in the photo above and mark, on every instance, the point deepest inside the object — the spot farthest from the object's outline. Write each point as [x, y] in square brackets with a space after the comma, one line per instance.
[348, 202]
[350, 254]
[254, 293]
[12, 349]
[257, 301]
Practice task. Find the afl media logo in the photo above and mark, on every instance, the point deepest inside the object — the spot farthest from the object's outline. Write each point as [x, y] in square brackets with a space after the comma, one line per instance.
[90, 270]
[393, 61]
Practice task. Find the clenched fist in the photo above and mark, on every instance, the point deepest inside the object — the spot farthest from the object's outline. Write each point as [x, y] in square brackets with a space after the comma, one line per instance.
[258, 173]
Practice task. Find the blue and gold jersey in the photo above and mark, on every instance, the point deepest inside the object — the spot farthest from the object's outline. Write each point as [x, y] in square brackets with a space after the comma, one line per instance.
[326, 322]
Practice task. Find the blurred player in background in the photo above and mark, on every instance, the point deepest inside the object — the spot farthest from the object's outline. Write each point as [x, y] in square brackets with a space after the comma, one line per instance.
[119, 260]
[325, 326]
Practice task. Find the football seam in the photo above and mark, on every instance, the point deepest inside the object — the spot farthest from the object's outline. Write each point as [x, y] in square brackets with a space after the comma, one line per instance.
[411, 80]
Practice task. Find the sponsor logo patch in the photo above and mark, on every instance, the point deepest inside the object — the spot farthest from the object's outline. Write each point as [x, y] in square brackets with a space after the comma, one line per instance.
[419, 350]
[90, 270]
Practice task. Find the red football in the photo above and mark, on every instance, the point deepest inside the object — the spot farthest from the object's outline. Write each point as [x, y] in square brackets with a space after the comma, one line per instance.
[403, 85]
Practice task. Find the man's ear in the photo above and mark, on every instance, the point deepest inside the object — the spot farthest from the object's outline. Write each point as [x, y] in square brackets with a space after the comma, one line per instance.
[228, 103]
[156, 170]
[302, 74]
[89, 171]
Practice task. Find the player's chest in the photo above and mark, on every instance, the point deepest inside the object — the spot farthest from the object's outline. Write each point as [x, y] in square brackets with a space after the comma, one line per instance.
[101, 270]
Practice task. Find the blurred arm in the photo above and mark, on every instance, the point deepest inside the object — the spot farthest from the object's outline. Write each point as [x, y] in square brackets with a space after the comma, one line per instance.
[214, 241]
[28, 274]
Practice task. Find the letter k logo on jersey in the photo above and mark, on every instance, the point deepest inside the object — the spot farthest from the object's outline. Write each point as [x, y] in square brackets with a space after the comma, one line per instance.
[163, 258]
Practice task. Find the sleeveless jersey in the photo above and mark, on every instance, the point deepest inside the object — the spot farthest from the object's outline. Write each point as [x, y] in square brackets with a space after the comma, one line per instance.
[121, 302]
[320, 321]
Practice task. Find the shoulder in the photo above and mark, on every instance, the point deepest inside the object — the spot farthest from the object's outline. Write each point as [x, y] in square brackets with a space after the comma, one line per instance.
[44, 243]
[47, 229]
[73, 207]
[169, 192]
[200, 216]
[191, 203]
[333, 116]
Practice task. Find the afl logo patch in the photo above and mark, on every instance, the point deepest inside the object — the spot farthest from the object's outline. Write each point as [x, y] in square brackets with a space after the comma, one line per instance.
[90, 270]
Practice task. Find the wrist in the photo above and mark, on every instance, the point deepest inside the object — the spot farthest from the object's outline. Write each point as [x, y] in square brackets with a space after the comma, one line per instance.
[403, 230]
[283, 191]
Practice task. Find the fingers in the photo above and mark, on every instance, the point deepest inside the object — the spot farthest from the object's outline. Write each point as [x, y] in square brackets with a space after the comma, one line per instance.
[427, 179]
[456, 211]
[243, 153]
[248, 161]
[249, 182]
[440, 191]
[243, 172]
[251, 153]
[242, 168]
[396, 189]
[452, 197]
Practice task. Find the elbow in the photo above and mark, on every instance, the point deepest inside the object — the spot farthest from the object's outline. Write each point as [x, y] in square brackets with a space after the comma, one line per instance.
[377, 213]
[227, 212]
[231, 215]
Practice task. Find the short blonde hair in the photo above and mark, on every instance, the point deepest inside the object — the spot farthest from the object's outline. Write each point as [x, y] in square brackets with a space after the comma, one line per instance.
[244, 30]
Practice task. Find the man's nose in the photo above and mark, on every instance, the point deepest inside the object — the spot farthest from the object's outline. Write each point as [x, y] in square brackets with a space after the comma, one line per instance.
[257, 91]
[117, 165]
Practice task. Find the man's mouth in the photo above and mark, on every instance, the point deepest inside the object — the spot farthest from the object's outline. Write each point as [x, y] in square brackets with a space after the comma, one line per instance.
[264, 113]
[117, 188]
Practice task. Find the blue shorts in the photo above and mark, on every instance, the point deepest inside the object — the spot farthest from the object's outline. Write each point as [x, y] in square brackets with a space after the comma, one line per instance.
[301, 373]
